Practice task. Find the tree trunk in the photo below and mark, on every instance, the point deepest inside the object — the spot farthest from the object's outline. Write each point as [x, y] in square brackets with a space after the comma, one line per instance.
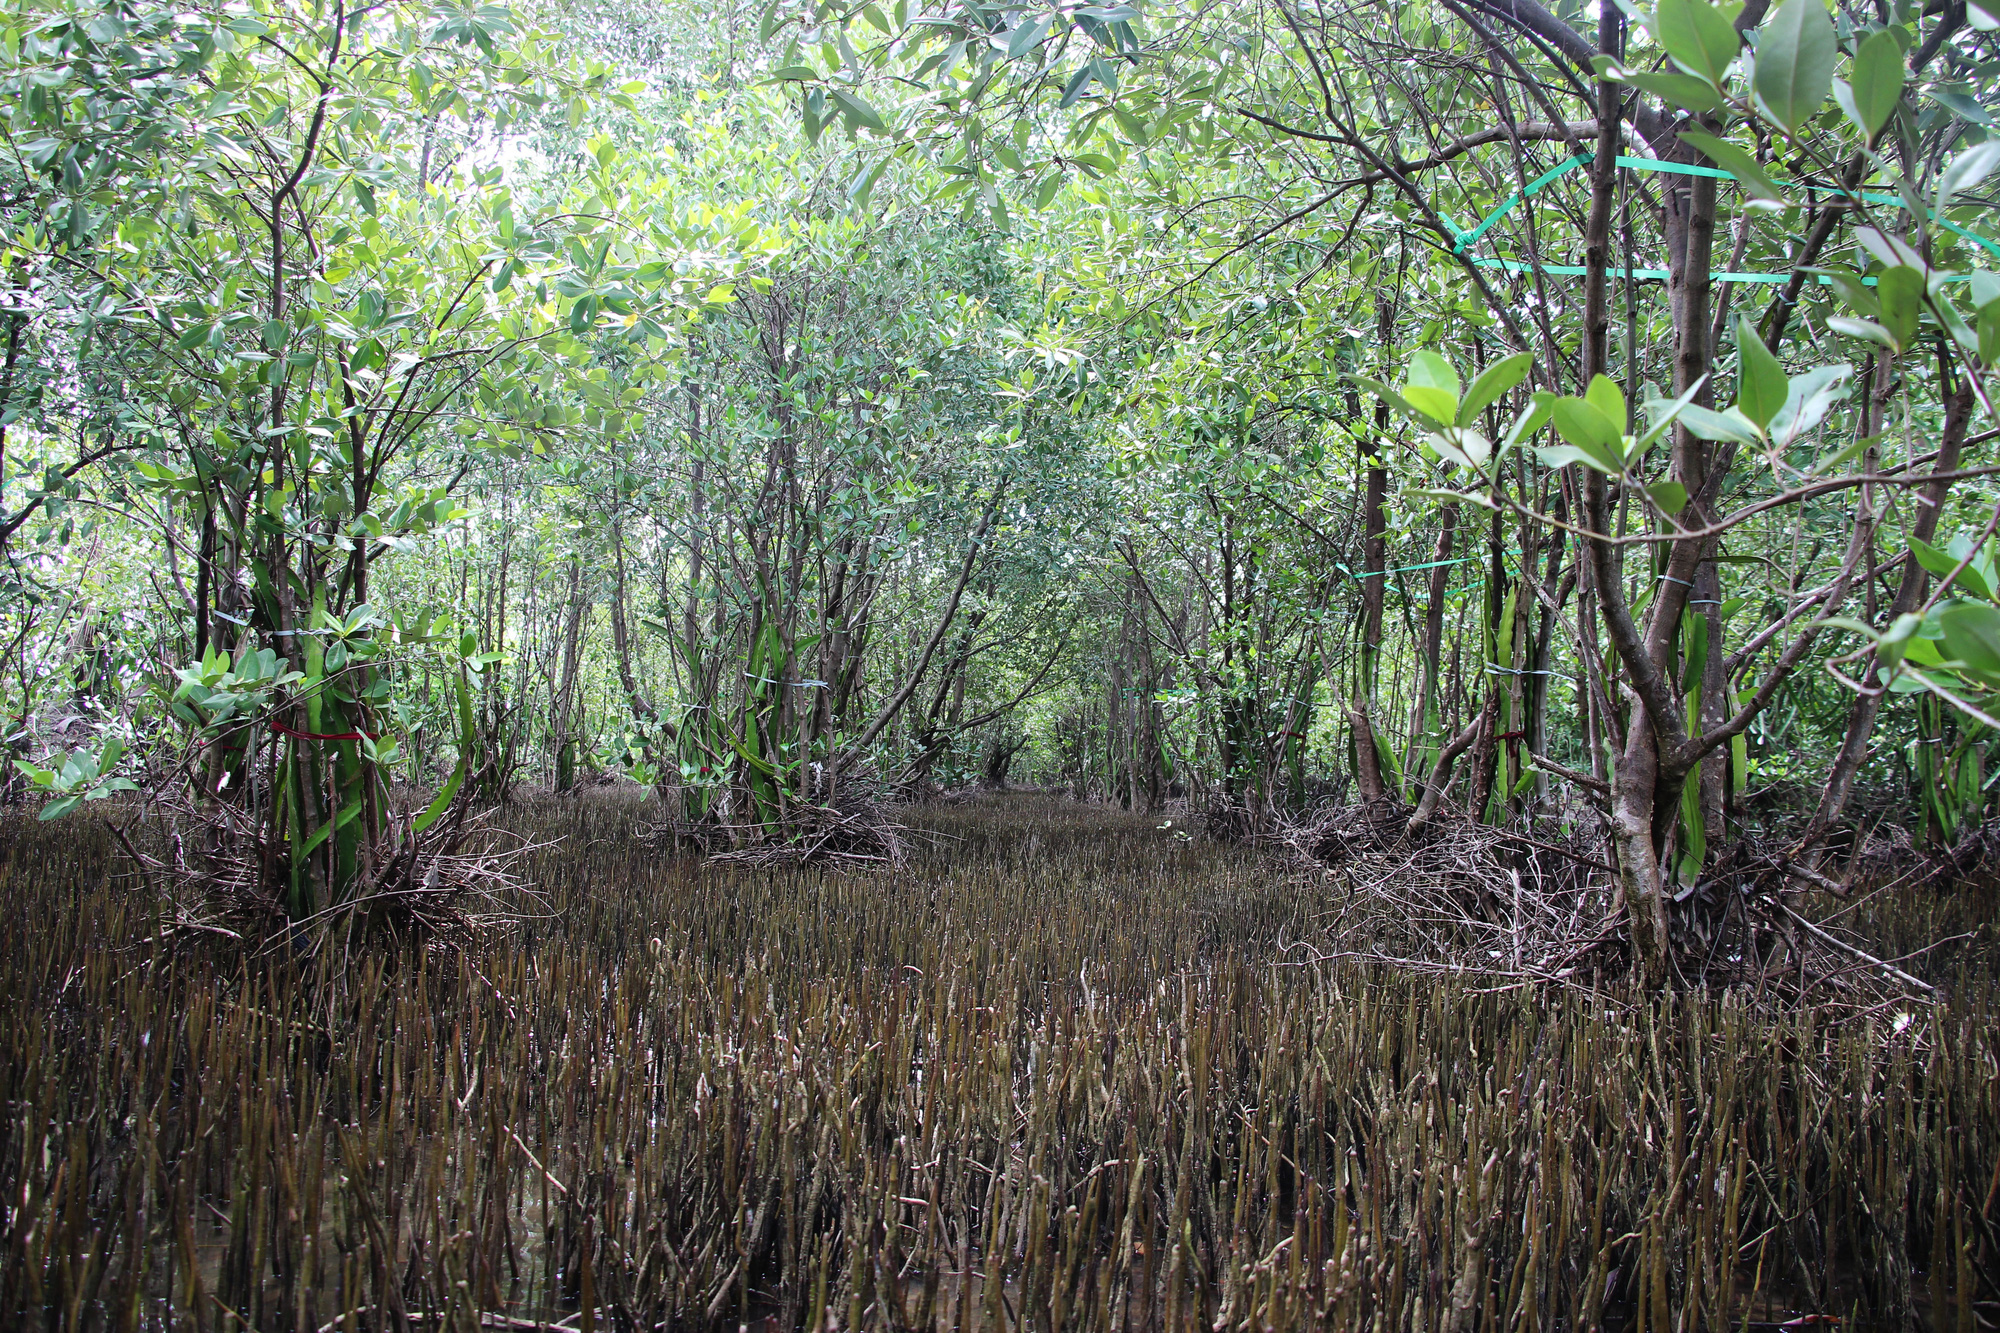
[1910, 591]
[1425, 716]
[1374, 574]
[1149, 789]
[1635, 773]
[566, 705]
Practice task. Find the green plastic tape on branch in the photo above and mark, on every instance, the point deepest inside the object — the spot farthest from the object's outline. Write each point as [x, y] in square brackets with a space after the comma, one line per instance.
[1401, 569]
[1657, 274]
[1465, 238]
[1946, 223]
[1528, 191]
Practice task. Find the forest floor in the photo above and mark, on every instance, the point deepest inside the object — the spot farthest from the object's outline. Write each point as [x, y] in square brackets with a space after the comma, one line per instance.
[1068, 1068]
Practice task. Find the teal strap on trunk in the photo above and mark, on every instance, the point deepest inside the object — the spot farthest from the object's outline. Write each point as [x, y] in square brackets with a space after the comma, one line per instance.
[1660, 274]
[1990, 247]
[1528, 191]
[1400, 569]
[1466, 238]
[1677, 168]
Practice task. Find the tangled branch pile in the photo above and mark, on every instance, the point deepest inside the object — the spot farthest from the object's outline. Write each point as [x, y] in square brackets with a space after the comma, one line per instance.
[220, 872]
[856, 837]
[1453, 896]
[846, 829]
[1464, 898]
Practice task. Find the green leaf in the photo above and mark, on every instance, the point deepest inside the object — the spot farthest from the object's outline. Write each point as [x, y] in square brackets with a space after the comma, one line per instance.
[1680, 89]
[436, 808]
[1891, 250]
[1670, 496]
[1953, 323]
[1532, 418]
[1467, 448]
[1858, 296]
[1584, 424]
[1694, 648]
[1972, 634]
[1028, 36]
[1973, 577]
[340, 820]
[1940, 562]
[1737, 162]
[813, 114]
[862, 188]
[1969, 168]
[1900, 291]
[1389, 396]
[1605, 395]
[1795, 53]
[858, 111]
[1698, 35]
[59, 807]
[1761, 385]
[1843, 97]
[1729, 425]
[1495, 380]
[1961, 105]
[757, 763]
[1435, 404]
[1844, 454]
[1863, 328]
[1808, 398]
[1694, 837]
[1877, 81]
[1562, 455]
[1860, 627]
[1074, 88]
[1922, 651]
[1978, 575]
[1134, 128]
[1433, 371]
[1662, 415]
[1587, 429]
[1989, 332]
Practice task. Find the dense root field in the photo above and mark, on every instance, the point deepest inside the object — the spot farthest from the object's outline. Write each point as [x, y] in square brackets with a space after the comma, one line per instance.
[1058, 1073]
